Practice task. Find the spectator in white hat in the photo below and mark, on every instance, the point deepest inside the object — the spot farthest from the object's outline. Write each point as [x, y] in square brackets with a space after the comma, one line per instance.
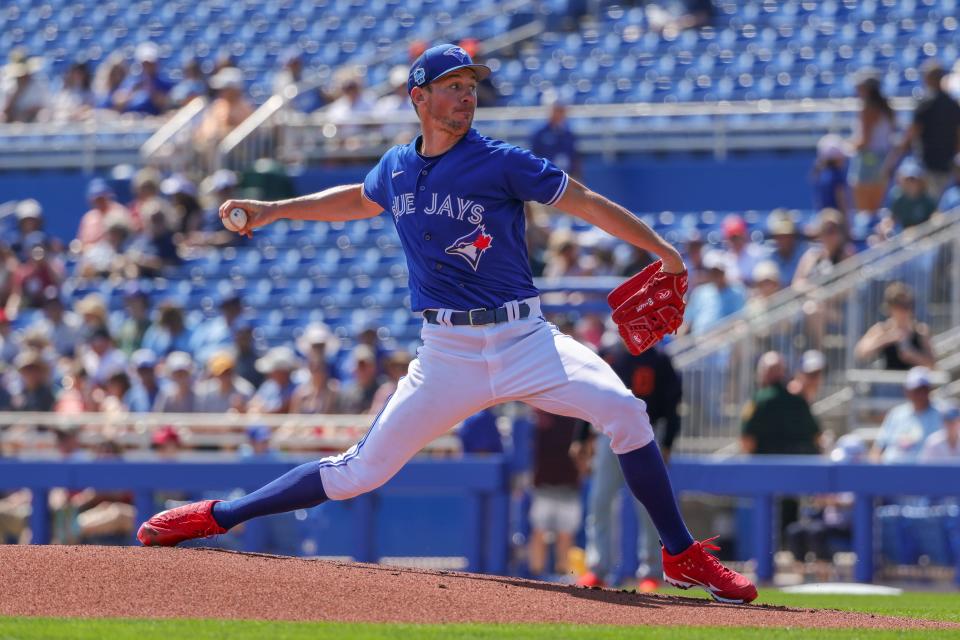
[808, 378]
[29, 220]
[787, 247]
[23, 91]
[227, 110]
[180, 396]
[275, 393]
[319, 343]
[144, 91]
[908, 425]
[830, 174]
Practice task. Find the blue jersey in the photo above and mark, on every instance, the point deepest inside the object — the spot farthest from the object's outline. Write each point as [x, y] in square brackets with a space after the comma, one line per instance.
[460, 218]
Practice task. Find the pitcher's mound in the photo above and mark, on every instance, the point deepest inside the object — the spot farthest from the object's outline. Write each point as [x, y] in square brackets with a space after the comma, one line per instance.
[205, 583]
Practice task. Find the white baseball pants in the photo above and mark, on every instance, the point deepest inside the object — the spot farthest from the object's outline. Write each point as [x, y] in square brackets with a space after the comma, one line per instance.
[460, 370]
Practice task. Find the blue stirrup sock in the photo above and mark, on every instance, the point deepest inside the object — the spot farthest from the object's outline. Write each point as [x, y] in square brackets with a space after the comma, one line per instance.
[299, 488]
[647, 477]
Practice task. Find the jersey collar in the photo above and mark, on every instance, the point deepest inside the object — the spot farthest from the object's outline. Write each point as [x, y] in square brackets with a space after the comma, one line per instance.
[411, 148]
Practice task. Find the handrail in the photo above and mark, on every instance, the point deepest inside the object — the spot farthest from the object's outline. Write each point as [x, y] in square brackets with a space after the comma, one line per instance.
[845, 276]
[330, 431]
[227, 420]
[115, 123]
[633, 110]
[181, 119]
[253, 122]
[716, 127]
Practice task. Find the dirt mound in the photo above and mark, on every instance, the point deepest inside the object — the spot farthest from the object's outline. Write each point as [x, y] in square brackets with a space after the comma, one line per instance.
[206, 583]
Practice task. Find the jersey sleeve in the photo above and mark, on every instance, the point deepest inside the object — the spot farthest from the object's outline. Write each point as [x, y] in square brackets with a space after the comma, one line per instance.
[374, 184]
[532, 178]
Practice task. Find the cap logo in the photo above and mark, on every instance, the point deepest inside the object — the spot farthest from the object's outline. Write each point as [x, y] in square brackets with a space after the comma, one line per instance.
[458, 53]
[419, 75]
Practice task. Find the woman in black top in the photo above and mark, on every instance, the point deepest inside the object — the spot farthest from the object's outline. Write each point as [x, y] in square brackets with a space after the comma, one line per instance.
[900, 341]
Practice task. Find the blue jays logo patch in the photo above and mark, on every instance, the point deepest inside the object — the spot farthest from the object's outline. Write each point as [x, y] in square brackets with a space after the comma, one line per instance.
[419, 75]
[471, 246]
[457, 52]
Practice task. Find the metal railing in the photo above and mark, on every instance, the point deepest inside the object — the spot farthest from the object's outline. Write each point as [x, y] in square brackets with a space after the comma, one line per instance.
[103, 140]
[716, 128]
[719, 367]
[172, 147]
[30, 432]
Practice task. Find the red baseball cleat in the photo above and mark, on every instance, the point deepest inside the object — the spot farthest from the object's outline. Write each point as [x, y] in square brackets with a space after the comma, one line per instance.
[697, 568]
[590, 579]
[170, 528]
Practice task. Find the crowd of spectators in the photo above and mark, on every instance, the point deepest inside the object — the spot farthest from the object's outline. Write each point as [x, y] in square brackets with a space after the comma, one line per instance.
[145, 84]
[71, 353]
[151, 359]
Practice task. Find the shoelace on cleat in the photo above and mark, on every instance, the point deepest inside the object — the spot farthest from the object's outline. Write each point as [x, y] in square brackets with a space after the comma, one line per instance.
[712, 559]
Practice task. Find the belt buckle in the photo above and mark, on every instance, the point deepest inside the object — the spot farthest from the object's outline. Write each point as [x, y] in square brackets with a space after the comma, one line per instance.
[470, 317]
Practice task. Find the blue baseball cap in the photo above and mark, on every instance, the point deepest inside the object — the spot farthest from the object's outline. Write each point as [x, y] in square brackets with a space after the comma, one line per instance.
[98, 187]
[259, 433]
[440, 60]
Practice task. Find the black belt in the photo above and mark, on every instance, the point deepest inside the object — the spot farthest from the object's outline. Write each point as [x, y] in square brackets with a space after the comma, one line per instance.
[476, 317]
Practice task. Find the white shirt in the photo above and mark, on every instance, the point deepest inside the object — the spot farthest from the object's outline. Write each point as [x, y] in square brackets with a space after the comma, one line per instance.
[742, 265]
[35, 96]
[904, 431]
[341, 111]
[937, 449]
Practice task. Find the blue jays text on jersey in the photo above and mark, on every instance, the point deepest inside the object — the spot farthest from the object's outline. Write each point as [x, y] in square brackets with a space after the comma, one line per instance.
[460, 218]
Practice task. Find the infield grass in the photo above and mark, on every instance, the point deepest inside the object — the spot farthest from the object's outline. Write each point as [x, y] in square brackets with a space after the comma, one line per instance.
[931, 606]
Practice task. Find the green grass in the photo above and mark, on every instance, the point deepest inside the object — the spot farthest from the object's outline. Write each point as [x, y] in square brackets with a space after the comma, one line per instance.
[929, 606]
[933, 606]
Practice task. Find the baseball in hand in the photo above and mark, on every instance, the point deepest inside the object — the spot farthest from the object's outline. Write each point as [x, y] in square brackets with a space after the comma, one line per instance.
[236, 220]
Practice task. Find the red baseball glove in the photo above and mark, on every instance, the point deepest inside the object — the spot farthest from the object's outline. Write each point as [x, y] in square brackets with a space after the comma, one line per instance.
[648, 306]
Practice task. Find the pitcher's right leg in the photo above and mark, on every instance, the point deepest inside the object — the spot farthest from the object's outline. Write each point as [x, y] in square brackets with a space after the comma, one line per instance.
[428, 402]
